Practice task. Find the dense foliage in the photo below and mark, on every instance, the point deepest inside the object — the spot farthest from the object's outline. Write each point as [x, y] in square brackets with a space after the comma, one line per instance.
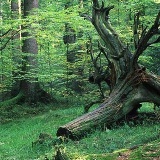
[54, 71]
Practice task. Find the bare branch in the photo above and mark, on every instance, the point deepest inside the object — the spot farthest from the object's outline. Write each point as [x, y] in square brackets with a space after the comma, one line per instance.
[4, 34]
[102, 49]
[146, 36]
[100, 21]
[144, 31]
[156, 41]
[118, 52]
[135, 30]
[94, 60]
[86, 16]
[5, 44]
[95, 4]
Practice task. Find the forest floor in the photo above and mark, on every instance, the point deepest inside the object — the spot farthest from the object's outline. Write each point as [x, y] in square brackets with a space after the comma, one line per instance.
[21, 126]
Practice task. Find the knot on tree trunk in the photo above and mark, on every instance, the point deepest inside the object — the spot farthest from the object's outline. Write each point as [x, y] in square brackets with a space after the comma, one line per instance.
[64, 132]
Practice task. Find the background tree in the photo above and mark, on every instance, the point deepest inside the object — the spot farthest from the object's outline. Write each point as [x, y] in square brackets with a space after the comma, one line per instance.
[29, 85]
[16, 46]
[29, 89]
[48, 29]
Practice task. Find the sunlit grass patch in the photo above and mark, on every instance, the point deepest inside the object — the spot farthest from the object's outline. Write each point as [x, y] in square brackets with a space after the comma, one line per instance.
[120, 137]
[17, 136]
[147, 108]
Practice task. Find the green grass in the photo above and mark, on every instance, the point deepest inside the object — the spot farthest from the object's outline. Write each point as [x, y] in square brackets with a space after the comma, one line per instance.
[17, 136]
[147, 108]
[148, 151]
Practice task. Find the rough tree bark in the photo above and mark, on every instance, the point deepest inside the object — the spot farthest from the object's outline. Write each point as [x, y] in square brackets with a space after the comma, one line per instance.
[29, 85]
[130, 83]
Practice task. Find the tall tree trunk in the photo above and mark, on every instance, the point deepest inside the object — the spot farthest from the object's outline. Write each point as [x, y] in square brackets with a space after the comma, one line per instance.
[16, 49]
[29, 85]
[29, 88]
[70, 38]
[130, 83]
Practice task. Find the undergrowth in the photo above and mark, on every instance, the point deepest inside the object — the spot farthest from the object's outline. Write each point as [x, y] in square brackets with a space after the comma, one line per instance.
[20, 131]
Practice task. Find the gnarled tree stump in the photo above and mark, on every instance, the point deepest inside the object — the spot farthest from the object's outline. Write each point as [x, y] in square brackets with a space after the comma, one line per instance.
[130, 83]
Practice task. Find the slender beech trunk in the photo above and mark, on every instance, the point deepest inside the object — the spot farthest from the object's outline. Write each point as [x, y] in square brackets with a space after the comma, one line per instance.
[69, 39]
[16, 46]
[30, 85]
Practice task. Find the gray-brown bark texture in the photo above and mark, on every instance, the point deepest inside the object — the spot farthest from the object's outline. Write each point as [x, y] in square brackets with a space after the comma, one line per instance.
[29, 85]
[30, 48]
[130, 83]
[16, 14]
[70, 38]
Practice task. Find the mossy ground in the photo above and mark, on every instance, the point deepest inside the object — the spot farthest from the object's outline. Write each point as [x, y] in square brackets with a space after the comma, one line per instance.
[21, 125]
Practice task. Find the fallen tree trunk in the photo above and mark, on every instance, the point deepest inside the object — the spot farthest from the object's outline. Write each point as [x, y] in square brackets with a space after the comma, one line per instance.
[129, 82]
[123, 100]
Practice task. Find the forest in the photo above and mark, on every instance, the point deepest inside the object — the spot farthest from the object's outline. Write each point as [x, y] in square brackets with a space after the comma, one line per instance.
[80, 80]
